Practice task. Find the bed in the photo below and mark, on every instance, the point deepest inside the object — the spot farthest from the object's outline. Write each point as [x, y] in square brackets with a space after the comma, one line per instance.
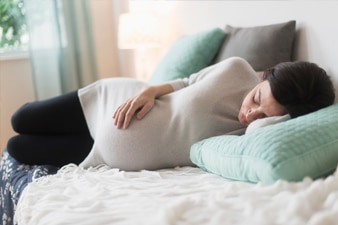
[235, 181]
[184, 195]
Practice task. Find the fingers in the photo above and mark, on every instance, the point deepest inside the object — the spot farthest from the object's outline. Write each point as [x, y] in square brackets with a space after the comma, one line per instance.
[137, 106]
[117, 113]
[120, 114]
[143, 111]
[124, 114]
[129, 115]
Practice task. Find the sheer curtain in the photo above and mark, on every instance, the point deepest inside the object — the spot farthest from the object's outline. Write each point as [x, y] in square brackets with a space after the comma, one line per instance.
[61, 45]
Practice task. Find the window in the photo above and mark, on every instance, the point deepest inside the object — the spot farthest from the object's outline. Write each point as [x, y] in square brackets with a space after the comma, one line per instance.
[13, 27]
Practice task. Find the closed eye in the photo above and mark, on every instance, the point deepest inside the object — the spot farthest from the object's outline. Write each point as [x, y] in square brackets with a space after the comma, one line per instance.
[257, 97]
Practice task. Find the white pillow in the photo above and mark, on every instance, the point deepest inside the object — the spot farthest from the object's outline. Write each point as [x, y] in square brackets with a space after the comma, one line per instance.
[265, 122]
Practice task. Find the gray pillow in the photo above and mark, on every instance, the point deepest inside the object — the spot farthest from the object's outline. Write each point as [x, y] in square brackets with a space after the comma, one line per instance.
[261, 46]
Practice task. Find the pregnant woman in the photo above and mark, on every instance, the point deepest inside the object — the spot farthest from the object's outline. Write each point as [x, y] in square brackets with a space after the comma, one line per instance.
[128, 124]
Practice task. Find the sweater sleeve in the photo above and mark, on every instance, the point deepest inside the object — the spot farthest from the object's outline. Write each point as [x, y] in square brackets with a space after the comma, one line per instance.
[193, 78]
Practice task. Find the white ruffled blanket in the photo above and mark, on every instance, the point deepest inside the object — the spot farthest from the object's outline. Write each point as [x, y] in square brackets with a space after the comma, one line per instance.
[177, 196]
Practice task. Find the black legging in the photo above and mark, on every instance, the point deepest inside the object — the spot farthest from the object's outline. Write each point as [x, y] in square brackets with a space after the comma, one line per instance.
[52, 131]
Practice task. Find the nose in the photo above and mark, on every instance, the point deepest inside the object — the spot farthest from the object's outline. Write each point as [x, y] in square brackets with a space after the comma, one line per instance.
[253, 114]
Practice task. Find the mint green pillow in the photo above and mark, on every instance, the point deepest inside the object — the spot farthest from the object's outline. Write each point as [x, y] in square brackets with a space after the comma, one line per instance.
[290, 150]
[188, 54]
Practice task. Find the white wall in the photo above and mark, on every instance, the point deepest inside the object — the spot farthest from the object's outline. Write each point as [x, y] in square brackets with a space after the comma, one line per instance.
[16, 88]
[105, 40]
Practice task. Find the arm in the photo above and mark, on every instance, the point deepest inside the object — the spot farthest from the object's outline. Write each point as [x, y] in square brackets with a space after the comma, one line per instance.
[193, 78]
[139, 105]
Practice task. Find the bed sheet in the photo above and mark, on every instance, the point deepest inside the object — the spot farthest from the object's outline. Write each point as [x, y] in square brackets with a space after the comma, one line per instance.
[15, 176]
[182, 196]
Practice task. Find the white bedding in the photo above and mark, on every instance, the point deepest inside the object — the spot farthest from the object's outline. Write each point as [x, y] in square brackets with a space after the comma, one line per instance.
[175, 196]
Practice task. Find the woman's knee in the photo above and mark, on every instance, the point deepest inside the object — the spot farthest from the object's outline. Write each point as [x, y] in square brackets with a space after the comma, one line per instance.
[20, 148]
[19, 118]
[14, 146]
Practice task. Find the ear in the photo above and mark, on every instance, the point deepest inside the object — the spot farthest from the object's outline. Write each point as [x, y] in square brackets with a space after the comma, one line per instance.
[260, 74]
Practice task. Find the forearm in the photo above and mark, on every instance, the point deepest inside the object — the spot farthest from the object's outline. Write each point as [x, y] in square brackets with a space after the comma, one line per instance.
[159, 90]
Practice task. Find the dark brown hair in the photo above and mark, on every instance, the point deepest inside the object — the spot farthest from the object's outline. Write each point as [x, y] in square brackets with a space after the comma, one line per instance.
[301, 87]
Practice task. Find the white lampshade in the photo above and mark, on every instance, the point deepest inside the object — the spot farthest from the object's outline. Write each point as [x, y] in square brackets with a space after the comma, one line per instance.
[139, 30]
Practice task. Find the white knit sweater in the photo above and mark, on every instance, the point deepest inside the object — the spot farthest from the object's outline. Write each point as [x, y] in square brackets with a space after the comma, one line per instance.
[205, 105]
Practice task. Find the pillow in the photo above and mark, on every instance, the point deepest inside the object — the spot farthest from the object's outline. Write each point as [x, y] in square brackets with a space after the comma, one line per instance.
[266, 122]
[187, 55]
[300, 147]
[262, 46]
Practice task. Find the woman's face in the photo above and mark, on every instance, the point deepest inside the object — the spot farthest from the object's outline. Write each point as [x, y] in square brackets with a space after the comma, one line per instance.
[260, 103]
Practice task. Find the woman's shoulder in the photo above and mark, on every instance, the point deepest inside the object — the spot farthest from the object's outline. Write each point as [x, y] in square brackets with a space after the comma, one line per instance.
[233, 62]
[235, 69]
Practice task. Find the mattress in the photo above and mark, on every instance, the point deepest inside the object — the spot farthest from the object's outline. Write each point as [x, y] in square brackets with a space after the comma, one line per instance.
[183, 195]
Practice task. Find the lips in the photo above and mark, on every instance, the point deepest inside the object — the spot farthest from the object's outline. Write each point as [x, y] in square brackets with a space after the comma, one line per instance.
[243, 119]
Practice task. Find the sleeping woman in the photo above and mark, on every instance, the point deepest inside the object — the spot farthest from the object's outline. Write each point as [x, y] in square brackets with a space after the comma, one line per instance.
[128, 124]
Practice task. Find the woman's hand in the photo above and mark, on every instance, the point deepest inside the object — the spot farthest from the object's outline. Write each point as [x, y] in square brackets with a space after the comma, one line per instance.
[137, 106]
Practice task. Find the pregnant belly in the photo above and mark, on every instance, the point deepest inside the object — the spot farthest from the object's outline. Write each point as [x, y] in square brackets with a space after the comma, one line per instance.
[146, 144]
